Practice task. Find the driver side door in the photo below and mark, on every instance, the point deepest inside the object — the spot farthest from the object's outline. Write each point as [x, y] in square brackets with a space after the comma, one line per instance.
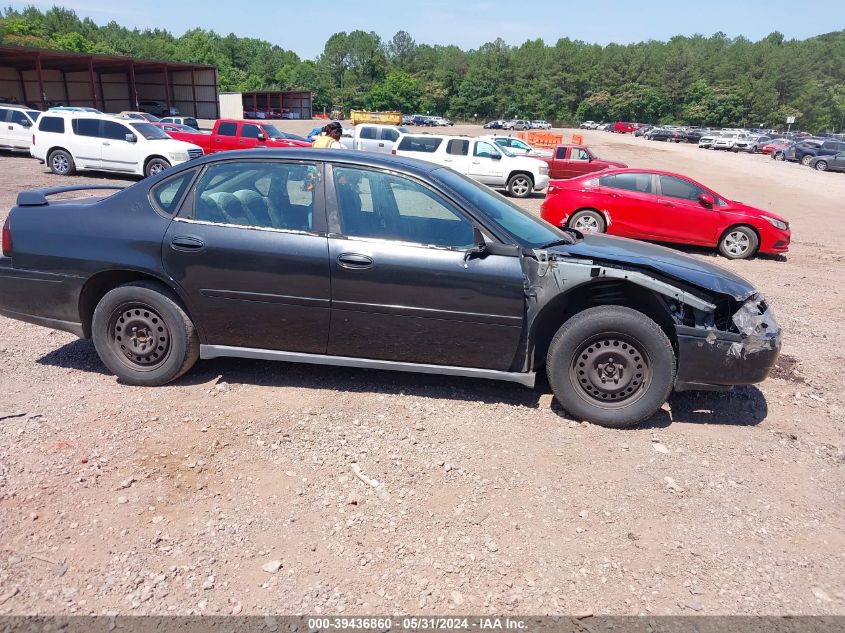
[485, 164]
[402, 287]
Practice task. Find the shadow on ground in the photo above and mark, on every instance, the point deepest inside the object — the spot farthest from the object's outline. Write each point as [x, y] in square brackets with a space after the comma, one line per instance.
[744, 406]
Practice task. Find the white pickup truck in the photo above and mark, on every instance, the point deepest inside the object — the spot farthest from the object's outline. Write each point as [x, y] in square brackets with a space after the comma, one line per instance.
[480, 159]
[370, 137]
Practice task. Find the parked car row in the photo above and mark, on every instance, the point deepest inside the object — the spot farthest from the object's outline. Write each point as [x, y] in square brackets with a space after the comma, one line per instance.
[425, 121]
[518, 124]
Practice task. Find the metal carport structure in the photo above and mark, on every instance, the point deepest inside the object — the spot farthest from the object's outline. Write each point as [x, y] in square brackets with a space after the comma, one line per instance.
[111, 83]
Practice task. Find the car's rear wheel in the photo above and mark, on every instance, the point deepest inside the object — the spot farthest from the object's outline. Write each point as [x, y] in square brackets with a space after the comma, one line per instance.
[805, 160]
[155, 166]
[61, 163]
[611, 365]
[143, 335]
[520, 185]
[821, 165]
[739, 242]
[588, 221]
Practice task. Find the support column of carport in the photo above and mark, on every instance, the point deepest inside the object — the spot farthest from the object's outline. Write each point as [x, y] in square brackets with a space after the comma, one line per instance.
[91, 83]
[194, 93]
[133, 89]
[167, 90]
[41, 96]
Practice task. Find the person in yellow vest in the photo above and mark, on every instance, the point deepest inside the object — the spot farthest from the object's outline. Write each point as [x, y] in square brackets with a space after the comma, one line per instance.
[329, 138]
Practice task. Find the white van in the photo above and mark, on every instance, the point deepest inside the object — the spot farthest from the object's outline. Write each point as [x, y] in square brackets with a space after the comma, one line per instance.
[78, 141]
[376, 138]
[16, 123]
[479, 159]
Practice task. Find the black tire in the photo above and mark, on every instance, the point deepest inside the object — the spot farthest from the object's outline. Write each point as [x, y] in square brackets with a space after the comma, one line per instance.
[61, 162]
[155, 166]
[588, 221]
[520, 185]
[739, 242]
[779, 156]
[143, 335]
[612, 366]
[821, 165]
[805, 160]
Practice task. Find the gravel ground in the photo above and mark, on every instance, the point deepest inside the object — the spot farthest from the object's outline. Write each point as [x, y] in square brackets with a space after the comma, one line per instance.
[252, 487]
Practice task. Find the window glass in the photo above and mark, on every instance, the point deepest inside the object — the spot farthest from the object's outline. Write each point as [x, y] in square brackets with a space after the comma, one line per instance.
[368, 132]
[641, 183]
[672, 187]
[484, 150]
[227, 129]
[579, 154]
[259, 194]
[427, 144]
[52, 124]
[384, 206]
[149, 131]
[4, 113]
[33, 114]
[388, 134]
[561, 153]
[17, 116]
[112, 130]
[168, 193]
[250, 131]
[607, 181]
[458, 147]
[86, 127]
[520, 145]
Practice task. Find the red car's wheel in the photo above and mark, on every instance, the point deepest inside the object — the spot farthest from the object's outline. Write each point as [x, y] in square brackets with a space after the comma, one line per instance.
[588, 221]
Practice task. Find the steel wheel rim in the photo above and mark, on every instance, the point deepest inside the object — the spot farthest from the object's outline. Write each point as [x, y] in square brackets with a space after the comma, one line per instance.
[520, 186]
[586, 224]
[139, 336]
[806, 160]
[737, 243]
[156, 168]
[821, 165]
[60, 163]
[611, 370]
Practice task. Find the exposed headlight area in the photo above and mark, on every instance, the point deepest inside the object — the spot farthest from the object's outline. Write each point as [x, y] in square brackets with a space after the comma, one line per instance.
[544, 170]
[178, 156]
[776, 223]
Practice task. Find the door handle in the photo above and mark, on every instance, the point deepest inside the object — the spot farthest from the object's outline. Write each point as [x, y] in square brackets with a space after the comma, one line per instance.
[666, 204]
[354, 261]
[381, 144]
[106, 143]
[187, 244]
[447, 160]
[615, 195]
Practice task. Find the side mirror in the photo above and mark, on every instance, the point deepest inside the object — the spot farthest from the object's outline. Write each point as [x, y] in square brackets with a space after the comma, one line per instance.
[131, 138]
[706, 200]
[496, 156]
[478, 248]
[590, 158]
[261, 136]
[26, 123]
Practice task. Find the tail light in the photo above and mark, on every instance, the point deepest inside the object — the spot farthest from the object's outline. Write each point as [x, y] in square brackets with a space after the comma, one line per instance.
[393, 151]
[7, 237]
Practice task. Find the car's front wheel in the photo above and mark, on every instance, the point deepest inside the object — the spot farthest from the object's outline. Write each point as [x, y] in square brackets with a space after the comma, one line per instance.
[155, 166]
[805, 160]
[520, 185]
[611, 365]
[821, 165]
[143, 335]
[779, 156]
[739, 242]
[588, 221]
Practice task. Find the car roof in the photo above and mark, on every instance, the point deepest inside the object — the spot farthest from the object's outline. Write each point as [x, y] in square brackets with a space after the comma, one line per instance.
[634, 170]
[18, 106]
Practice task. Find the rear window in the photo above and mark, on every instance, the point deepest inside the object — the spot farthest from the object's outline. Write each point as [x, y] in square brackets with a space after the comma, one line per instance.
[425, 144]
[52, 124]
[458, 147]
[169, 193]
[86, 127]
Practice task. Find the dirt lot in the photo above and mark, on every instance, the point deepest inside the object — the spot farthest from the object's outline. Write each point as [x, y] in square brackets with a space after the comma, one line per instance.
[232, 491]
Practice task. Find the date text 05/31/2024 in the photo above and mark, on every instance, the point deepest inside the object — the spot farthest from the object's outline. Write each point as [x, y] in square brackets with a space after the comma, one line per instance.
[417, 624]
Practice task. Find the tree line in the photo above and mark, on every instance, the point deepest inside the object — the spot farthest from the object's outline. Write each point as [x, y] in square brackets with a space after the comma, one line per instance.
[699, 80]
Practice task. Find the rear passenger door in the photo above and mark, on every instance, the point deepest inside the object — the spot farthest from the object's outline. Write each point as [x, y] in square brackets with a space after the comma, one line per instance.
[226, 137]
[249, 250]
[86, 146]
[631, 204]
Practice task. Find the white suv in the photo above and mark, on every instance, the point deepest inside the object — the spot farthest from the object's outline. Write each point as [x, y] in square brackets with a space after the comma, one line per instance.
[77, 141]
[728, 139]
[480, 159]
[16, 123]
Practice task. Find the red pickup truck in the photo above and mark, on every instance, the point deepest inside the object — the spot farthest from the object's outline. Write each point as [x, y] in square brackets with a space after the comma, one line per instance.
[570, 161]
[230, 134]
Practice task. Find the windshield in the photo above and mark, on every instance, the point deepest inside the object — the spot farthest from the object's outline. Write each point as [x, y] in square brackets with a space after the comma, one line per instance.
[272, 132]
[150, 132]
[528, 230]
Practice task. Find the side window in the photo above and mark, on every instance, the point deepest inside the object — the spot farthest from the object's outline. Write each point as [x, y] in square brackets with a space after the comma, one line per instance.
[607, 181]
[388, 134]
[116, 131]
[227, 129]
[250, 131]
[484, 150]
[425, 144]
[641, 183]
[169, 193]
[580, 154]
[368, 132]
[86, 127]
[383, 206]
[51, 124]
[676, 188]
[257, 194]
[4, 114]
[458, 147]
[560, 154]
[17, 117]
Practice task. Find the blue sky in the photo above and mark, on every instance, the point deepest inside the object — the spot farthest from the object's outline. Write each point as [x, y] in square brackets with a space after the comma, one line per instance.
[304, 26]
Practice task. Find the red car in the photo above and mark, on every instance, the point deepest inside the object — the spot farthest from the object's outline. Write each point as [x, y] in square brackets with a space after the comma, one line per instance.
[771, 148]
[663, 207]
[623, 127]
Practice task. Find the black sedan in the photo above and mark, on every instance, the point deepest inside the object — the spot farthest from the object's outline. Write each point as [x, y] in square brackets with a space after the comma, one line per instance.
[363, 260]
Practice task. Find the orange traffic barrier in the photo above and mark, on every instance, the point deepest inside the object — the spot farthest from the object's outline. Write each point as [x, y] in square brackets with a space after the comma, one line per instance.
[541, 139]
[577, 139]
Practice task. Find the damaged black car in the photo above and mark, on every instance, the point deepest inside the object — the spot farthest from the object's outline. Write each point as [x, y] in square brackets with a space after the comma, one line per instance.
[379, 262]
